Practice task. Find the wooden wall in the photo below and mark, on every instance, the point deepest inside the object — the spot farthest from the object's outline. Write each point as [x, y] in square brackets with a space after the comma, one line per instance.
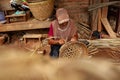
[76, 8]
[5, 5]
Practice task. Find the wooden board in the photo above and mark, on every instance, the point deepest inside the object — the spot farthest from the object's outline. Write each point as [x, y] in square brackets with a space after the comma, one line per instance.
[18, 26]
[108, 27]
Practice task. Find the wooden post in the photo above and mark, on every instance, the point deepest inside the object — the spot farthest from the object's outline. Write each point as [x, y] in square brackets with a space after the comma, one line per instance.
[118, 22]
[102, 13]
[105, 10]
[94, 16]
[99, 20]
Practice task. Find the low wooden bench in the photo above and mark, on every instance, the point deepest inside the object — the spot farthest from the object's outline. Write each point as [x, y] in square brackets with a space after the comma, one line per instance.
[8, 17]
[32, 36]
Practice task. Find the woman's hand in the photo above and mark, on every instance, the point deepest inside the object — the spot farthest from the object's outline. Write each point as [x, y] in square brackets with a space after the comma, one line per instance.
[61, 41]
[73, 39]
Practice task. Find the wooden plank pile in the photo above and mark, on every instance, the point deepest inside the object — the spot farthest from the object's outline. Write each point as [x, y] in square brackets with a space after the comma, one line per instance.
[98, 15]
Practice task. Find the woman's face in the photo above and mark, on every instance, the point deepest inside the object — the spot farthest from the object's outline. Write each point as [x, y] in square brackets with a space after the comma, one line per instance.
[63, 24]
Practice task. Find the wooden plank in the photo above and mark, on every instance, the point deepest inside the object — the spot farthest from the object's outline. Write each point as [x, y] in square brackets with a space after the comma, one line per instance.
[99, 20]
[108, 27]
[18, 26]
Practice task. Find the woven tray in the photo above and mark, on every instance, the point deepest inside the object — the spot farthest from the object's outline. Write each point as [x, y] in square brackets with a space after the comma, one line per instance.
[73, 50]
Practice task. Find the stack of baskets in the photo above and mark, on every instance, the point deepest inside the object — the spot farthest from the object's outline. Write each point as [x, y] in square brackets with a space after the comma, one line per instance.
[41, 9]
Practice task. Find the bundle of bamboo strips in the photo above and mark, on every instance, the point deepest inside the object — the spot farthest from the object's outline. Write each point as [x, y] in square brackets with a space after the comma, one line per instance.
[107, 48]
[84, 31]
[110, 43]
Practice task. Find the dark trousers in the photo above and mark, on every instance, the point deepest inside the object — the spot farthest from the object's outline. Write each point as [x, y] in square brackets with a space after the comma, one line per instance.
[55, 51]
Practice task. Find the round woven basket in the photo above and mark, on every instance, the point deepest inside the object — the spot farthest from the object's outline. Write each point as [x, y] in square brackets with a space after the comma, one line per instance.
[73, 50]
[42, 10]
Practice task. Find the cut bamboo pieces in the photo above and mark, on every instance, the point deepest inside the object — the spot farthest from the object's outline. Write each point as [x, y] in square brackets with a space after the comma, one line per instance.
[106, 43]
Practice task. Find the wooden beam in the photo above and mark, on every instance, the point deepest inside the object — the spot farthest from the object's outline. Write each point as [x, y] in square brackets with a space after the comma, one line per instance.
[108, 28]
[18, 26]
[100, 5]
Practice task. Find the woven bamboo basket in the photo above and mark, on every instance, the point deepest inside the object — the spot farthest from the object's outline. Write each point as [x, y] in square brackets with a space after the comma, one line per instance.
[73, 50]
[42, 10]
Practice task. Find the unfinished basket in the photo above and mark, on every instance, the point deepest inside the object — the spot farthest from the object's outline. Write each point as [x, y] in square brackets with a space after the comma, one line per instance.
[42, 10]
[73, 50]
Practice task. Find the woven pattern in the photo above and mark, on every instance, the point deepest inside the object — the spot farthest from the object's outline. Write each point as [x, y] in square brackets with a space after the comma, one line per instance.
[73, 50]
[42, 10]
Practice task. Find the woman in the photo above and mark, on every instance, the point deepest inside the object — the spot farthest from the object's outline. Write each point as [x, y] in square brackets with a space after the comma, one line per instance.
[61, 31]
